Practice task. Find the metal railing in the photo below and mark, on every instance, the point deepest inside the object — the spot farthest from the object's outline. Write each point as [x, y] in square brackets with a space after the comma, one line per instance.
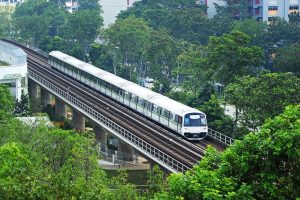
[143, 146]
[220, 137]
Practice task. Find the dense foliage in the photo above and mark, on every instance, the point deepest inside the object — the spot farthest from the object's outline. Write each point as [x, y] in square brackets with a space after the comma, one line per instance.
[264, 165]
[266, 96]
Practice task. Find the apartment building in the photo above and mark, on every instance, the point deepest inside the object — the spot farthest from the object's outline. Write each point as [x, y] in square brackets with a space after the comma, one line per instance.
[259, 9]
[13, 69]
[266, 9]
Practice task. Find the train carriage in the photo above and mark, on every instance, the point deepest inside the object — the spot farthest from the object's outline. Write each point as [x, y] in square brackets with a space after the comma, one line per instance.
[187, 121]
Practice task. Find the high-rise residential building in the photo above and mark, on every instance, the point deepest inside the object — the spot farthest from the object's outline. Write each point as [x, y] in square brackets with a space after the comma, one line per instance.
[259, 9]
[266, 9]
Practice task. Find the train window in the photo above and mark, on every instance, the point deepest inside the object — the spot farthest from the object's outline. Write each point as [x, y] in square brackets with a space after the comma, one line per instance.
[141, 101]
[154, 108]
[127, 95]
[150, 106]
[159, 110]
[166, 113]
[133, 98]
[121, 92]
[171, 117]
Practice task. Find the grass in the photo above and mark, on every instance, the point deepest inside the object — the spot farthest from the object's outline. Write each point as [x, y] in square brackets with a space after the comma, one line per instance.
[137, 177]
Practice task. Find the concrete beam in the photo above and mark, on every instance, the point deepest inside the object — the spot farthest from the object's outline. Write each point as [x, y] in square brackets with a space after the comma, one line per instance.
[60, 108]
[78, 121]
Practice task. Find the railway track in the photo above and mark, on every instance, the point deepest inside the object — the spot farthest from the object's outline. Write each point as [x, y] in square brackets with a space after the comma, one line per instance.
[187, 153]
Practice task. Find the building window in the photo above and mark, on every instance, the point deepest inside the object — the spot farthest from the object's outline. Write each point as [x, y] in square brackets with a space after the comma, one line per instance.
[294, 7]
[257, 11]
[257, 1]
[273, 10]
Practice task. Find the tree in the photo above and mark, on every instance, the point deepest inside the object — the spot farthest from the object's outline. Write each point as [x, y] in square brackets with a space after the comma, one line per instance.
[230, 56]
[287, 59]
[156, 180]
[257, 99]
[90, 5]
[82, 27]
[16, 181]
[102, 57]
[6, 102]
[22, 106]
[264, 165]
[280, 33]
[294, 18]
[193, 68]
[6, 22]
[255, 29]
[126, 39]
[216, 117]
[238, 9]
[45, 17]
[162, 51]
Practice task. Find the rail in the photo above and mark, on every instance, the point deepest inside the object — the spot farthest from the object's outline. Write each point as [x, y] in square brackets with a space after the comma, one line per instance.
[220, 137]
[154, 153]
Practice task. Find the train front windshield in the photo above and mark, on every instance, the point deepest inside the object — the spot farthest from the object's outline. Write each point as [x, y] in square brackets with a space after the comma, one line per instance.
[195, 119]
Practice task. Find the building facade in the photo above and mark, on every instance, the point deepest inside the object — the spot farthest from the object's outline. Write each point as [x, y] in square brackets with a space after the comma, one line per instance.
[260, 9]
[267, 9]
[14, 72]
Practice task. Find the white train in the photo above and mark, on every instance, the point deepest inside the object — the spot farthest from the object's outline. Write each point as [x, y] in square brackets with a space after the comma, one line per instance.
[188, 122]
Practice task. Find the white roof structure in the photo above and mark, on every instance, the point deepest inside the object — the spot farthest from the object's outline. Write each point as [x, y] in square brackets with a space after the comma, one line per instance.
[153, 97]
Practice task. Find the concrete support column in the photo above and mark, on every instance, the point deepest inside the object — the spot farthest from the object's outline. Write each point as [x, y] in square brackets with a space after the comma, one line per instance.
[32, 89]
[60, 109]
[126, 150]
[45, 97]
[78, 121]
[101, 137]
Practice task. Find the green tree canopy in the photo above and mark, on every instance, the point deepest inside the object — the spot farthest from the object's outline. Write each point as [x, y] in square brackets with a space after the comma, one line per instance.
[231, 56]
[82, 27]
[6, 102]
[258, 99]
[264, 165]
[287, 59]
[126, 39]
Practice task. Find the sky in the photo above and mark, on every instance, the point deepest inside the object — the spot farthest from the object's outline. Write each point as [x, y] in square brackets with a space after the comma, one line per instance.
[111, 8]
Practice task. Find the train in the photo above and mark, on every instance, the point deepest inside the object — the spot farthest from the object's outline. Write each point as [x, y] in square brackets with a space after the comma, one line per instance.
[184, 120]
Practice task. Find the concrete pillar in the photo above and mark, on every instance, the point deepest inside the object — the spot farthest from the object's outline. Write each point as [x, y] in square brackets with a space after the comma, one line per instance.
[45, 97]
[32, 89]
[101, 135]
[60, 109]
[126, 150]
[101, 138]
[78, 121]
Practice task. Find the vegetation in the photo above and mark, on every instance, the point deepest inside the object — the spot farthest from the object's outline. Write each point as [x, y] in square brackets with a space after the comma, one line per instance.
[263, 165]
[257, 99]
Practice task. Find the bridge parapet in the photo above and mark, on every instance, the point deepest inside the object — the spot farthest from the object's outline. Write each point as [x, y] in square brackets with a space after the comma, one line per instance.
[220, 137]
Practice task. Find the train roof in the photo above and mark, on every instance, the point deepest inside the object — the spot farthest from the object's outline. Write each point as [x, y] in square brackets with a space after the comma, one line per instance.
[153, 97]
